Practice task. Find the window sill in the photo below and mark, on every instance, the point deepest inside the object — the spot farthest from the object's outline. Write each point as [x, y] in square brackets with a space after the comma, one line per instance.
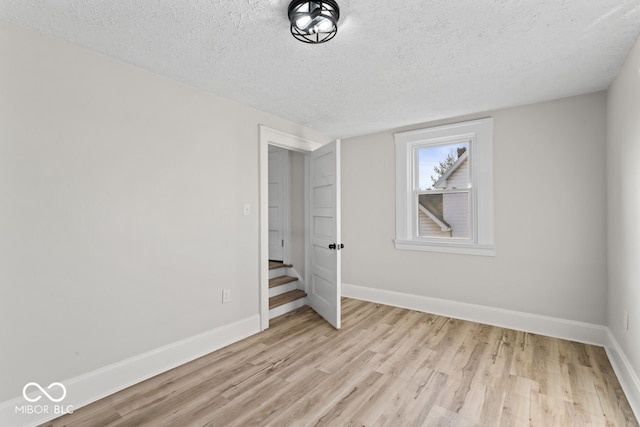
[448, 248]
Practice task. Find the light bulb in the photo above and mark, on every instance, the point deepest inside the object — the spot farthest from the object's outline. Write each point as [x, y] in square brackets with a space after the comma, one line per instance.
[303, 22]
[324, 26]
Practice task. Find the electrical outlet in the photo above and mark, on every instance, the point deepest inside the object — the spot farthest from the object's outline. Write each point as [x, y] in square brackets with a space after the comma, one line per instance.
[625, 319]
[226, 295]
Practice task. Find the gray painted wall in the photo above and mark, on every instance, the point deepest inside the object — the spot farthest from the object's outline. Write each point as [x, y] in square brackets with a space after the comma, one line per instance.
[549, 180]
[623, 180]
[121, 210]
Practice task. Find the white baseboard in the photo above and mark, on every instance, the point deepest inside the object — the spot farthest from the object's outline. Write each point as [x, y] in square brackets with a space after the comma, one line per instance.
[624, 371]
[95, 385]
[587, 333]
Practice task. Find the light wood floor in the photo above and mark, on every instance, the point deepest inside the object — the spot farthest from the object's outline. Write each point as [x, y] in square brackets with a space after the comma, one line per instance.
[386, 367]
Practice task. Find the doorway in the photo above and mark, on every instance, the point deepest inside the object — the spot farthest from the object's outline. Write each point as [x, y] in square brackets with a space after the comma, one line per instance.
[322, 222]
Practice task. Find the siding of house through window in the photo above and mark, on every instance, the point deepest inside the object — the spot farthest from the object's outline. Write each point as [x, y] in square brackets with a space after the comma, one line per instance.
[456, 213]
[460, 177]
[451, 209]
[428, 227]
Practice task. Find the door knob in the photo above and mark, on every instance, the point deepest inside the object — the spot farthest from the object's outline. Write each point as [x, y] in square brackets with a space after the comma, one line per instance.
[332, 246]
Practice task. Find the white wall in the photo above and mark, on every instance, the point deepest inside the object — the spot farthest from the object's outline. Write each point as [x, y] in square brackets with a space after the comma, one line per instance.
[549, 179]
[623, 181]
[297, 211]
[121, 209]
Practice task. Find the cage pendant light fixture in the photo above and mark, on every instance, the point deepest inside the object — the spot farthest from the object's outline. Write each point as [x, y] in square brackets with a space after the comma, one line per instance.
[314, 21]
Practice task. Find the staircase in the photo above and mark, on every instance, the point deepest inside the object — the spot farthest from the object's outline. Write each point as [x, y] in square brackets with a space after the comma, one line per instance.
[284, 295]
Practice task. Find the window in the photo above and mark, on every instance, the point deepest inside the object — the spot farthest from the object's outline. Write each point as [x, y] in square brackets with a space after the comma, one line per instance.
[444, 188]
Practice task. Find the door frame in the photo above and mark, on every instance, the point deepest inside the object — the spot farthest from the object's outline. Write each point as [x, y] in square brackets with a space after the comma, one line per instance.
[269, 136]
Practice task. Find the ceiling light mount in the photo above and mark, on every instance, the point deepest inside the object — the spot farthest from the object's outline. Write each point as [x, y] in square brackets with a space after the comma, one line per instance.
[314, 21]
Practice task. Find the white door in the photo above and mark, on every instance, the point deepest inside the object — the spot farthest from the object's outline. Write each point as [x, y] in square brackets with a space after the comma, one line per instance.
[323, 287]
[278, 168]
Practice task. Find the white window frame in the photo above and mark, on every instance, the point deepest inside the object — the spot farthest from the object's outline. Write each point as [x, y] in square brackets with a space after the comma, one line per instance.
[480, 135]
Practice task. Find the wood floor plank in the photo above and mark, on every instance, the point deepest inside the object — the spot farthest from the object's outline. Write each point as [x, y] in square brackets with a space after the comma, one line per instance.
[387, 366]
[516, 410]
[315, 403]
[272, 406]
[416, 406]
[356, 396]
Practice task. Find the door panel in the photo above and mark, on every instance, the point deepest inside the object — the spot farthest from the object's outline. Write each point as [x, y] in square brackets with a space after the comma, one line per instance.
[278, 167]
[324, 220]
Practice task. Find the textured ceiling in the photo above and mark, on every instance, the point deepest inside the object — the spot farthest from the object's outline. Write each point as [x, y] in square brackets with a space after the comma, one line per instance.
[392, 63]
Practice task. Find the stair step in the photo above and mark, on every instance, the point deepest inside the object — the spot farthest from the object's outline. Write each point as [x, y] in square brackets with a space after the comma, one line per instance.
[275, 264]
[287, 308]
[285, 298]
[277, 281]
[282, 289]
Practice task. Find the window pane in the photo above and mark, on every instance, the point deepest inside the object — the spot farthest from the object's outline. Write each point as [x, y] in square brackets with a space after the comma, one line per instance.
[444, 215]
[443, 166]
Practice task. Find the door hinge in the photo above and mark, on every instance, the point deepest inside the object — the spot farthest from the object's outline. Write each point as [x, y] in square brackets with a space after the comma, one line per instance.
[283, 243]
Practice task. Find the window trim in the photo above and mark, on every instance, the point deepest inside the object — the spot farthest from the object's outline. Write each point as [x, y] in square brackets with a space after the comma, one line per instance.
[480, 135]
